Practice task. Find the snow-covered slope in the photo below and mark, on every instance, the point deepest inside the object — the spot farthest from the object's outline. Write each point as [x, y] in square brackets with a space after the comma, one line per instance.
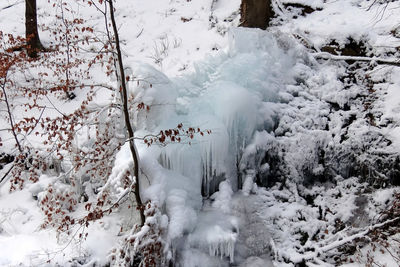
[301, 147]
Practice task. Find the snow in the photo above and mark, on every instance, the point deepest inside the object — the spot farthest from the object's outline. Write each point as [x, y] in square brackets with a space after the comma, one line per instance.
[391, 107]
[261, 94]
[23, 242]
[332, 22]
[223, 199]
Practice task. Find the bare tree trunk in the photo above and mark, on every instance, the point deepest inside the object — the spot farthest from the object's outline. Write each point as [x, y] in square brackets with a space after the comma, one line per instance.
[31, 29]
[256, 13]
[122, 80]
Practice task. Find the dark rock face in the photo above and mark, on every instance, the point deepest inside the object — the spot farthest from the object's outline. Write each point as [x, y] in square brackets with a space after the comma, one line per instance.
[275, 172]
[351, 48]
[304, 9]
[210, 184]
[256, 13]
[378, 170]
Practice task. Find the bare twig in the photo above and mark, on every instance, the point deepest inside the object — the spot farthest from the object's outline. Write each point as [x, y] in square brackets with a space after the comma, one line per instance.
[140, 33]
[55, 107]
[10, 117]
[6, 174]
[37, 121]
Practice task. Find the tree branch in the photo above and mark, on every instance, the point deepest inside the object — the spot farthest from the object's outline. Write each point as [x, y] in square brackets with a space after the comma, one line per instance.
[321, 250]
[6, 174]
[10, 117]
[326, 55]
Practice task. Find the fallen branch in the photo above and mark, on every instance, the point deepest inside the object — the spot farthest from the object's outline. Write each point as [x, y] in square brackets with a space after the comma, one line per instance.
[326, 55]
[358, 235]
[323, 249]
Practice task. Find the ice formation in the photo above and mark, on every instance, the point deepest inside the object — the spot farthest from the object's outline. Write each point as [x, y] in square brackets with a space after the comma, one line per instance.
[221, 247]
[229, 95]
[215, 234]
[232, 95]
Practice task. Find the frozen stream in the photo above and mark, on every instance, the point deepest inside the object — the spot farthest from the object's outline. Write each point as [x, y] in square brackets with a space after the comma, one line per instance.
[252, 247]
[229, 232]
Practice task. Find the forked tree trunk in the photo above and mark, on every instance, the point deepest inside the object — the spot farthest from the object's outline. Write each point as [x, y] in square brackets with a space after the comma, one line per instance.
[255, 13]
[31, 29]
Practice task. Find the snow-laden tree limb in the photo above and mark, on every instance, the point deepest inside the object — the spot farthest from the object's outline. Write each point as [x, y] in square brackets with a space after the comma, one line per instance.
[326, 55]
[320, 250]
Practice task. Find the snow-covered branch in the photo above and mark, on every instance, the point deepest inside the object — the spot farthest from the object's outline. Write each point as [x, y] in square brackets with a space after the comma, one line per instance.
[326, 55]
[321, 250]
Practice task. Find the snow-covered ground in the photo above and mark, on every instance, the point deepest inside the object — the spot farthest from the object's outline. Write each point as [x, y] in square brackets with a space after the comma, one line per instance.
[302, 147]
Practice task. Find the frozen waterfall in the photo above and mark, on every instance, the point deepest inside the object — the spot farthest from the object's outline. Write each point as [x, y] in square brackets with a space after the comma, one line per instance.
[232, 95]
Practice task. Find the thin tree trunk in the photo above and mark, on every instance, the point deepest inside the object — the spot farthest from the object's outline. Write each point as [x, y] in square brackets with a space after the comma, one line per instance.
[131, 136]
[31, 29]
[255, 13]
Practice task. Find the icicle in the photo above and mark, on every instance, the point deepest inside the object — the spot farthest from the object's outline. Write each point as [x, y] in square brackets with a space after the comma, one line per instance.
[223, 248]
